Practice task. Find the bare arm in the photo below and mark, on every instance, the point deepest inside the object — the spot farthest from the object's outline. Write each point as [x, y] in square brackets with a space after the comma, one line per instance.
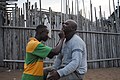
[57, 48]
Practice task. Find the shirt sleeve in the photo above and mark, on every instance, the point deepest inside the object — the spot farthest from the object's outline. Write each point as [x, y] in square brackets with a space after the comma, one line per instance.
[71, 67]
[57, 61]
[42, 50]
[77, 51]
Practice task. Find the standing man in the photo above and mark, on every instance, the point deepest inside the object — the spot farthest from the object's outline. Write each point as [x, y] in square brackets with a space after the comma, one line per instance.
[36, 51]
[71, 63]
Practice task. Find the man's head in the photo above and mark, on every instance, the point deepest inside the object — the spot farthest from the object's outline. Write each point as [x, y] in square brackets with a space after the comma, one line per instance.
[41, 33]
[69, 26]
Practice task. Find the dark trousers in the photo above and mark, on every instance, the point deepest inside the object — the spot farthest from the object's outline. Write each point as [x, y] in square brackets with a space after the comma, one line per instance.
[73, 76]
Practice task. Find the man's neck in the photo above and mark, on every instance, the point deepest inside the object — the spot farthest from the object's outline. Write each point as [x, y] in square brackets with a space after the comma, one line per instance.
[69, 35]
[37, 38]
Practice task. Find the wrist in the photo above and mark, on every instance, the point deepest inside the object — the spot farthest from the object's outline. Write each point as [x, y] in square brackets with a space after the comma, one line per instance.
[62, 38]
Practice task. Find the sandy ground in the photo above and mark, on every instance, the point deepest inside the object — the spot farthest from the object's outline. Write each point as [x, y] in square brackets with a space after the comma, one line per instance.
[92, 74]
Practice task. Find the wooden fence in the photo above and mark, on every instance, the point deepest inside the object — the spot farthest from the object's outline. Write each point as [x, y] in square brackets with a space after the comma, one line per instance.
[103, 48]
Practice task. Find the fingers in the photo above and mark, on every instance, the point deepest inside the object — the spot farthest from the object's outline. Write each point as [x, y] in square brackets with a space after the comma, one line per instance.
[61, 34]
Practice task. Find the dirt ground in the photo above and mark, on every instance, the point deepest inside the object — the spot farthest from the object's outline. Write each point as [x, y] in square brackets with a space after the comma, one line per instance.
[92, 74]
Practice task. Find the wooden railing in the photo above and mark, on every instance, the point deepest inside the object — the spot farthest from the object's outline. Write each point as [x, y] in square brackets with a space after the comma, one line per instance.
[103, 48]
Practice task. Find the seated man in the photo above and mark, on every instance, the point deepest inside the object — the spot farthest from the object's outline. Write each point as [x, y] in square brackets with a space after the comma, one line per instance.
[71, 63]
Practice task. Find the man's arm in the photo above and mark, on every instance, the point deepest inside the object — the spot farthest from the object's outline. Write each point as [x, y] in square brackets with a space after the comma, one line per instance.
[57, 61]
[56, 50]
[72, 66]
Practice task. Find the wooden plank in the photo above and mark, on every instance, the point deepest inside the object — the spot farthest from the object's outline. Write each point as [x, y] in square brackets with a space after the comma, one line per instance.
[89, 61]
[99, 46]
[1, 44]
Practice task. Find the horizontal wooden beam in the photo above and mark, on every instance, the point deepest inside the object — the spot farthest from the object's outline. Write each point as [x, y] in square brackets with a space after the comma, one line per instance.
[22, 61]
[50, 62]
[11, 0]
[78, 31]
[99, 60]
[10, 7]
[13, 27]
[93, 32]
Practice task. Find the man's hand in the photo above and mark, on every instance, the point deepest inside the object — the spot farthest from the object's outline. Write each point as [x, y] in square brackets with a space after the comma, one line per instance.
[47, 70]
[53, 75]
[61, 35]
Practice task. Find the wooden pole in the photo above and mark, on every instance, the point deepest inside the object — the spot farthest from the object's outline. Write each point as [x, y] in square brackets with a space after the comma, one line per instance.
[23, 9]
[104, 15]
[75, 6]
[66, 10]
[15, 14]
[26, 7]
[77, 13]
[95, 16]
[29, 12]
[118, 19]
[61, 12]
[1, 40]
[50, 18]
[114, 9]
[91, 12]
[115, 15]
[24, 15]
[40, 12]
[36, 21]
[101, 18]
[18, 17]
[109, 8]
[84, 8]
[72, 7]
[118, 14]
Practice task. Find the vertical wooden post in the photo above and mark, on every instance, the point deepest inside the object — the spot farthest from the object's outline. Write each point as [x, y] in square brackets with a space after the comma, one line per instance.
[66, 17]
[40, 18]
[1, 41]
[115, 16]
[84, 8]
[26, 8]
[18, 17]
[95, 16]
[68, 9]
[118, 14]
[32, 17]
[75, 6]
[100, 16]
[15, 14]
[50, 17]
[11, 18]
[36, 21]
[29, 14]
[109, 8]
[69, 13]
[77, 13]
[72, 7]
[61, 13]
[114, 9]
[91, 12]
[23, 16]
[118, 19]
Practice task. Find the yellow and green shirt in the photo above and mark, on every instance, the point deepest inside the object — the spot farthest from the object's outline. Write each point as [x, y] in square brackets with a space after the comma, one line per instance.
[35, 53]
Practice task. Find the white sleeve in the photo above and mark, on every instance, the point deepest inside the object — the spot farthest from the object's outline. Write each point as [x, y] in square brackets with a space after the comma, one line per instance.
[57, 61]
[72, 66]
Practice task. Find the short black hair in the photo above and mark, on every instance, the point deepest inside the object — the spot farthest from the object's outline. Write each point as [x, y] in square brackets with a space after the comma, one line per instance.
[40, 28]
